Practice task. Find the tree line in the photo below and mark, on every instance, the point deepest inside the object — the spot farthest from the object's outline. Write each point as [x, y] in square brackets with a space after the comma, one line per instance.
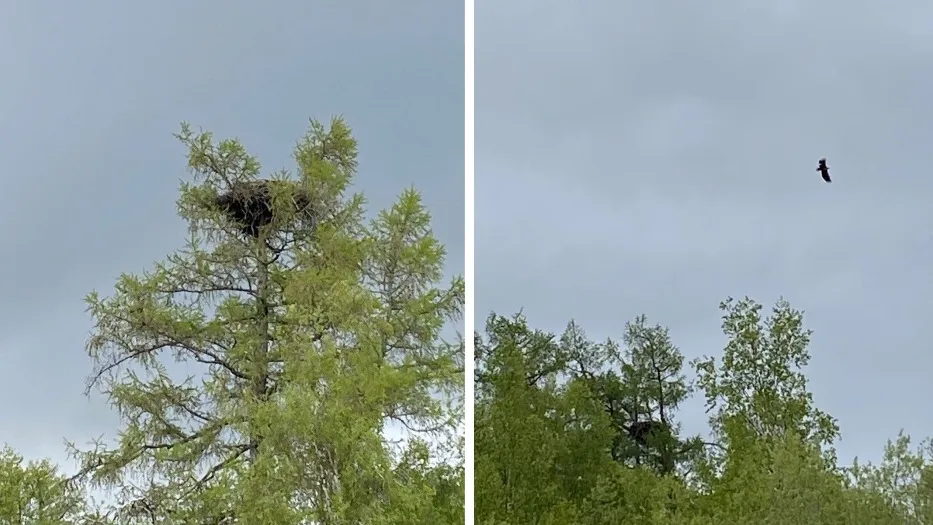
[574, 431]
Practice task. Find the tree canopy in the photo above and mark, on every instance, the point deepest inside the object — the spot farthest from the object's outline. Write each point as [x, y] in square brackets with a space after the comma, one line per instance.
[569, 430]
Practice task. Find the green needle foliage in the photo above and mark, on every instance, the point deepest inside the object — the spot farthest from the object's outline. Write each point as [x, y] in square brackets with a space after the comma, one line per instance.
[256, 370]
[36, 493]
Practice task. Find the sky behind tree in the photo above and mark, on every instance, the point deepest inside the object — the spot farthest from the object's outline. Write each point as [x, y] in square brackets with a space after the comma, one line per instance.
[91, 96]
[653, 157]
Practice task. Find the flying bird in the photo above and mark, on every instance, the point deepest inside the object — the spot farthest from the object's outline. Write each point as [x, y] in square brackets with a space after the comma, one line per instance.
[824, 170]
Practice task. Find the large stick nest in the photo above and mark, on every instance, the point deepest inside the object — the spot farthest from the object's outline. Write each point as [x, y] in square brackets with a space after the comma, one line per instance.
[249, 204]
[642, 431]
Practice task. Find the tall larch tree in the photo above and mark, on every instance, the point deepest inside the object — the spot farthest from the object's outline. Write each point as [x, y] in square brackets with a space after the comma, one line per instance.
[299, 331]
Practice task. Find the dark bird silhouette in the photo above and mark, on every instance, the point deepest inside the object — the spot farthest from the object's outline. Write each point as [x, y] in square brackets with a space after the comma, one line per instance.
[824, 170]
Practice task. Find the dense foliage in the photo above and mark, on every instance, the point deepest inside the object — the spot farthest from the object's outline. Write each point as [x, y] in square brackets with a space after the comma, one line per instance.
[572, 431]
[290, 370]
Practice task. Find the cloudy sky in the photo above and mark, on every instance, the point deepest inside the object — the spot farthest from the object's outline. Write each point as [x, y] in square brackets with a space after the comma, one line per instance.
[90, 97]
[642, 157]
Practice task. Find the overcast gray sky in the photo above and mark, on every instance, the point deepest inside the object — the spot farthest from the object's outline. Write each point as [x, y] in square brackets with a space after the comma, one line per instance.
[656, 157]
[90, 97]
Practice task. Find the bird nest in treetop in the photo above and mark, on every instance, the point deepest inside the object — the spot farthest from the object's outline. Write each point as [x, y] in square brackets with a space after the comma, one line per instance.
[250, 205]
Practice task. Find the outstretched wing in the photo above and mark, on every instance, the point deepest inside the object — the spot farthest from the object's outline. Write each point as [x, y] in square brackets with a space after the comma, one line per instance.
[824, 170]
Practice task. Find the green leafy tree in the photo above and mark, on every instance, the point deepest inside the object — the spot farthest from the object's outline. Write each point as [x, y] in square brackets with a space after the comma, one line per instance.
[302, 331]
[630, 496]
[439, 489]
[515, 433]
[776, 463]
[786, 480]
[35, 492]
[759, 391]
[903, 480]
